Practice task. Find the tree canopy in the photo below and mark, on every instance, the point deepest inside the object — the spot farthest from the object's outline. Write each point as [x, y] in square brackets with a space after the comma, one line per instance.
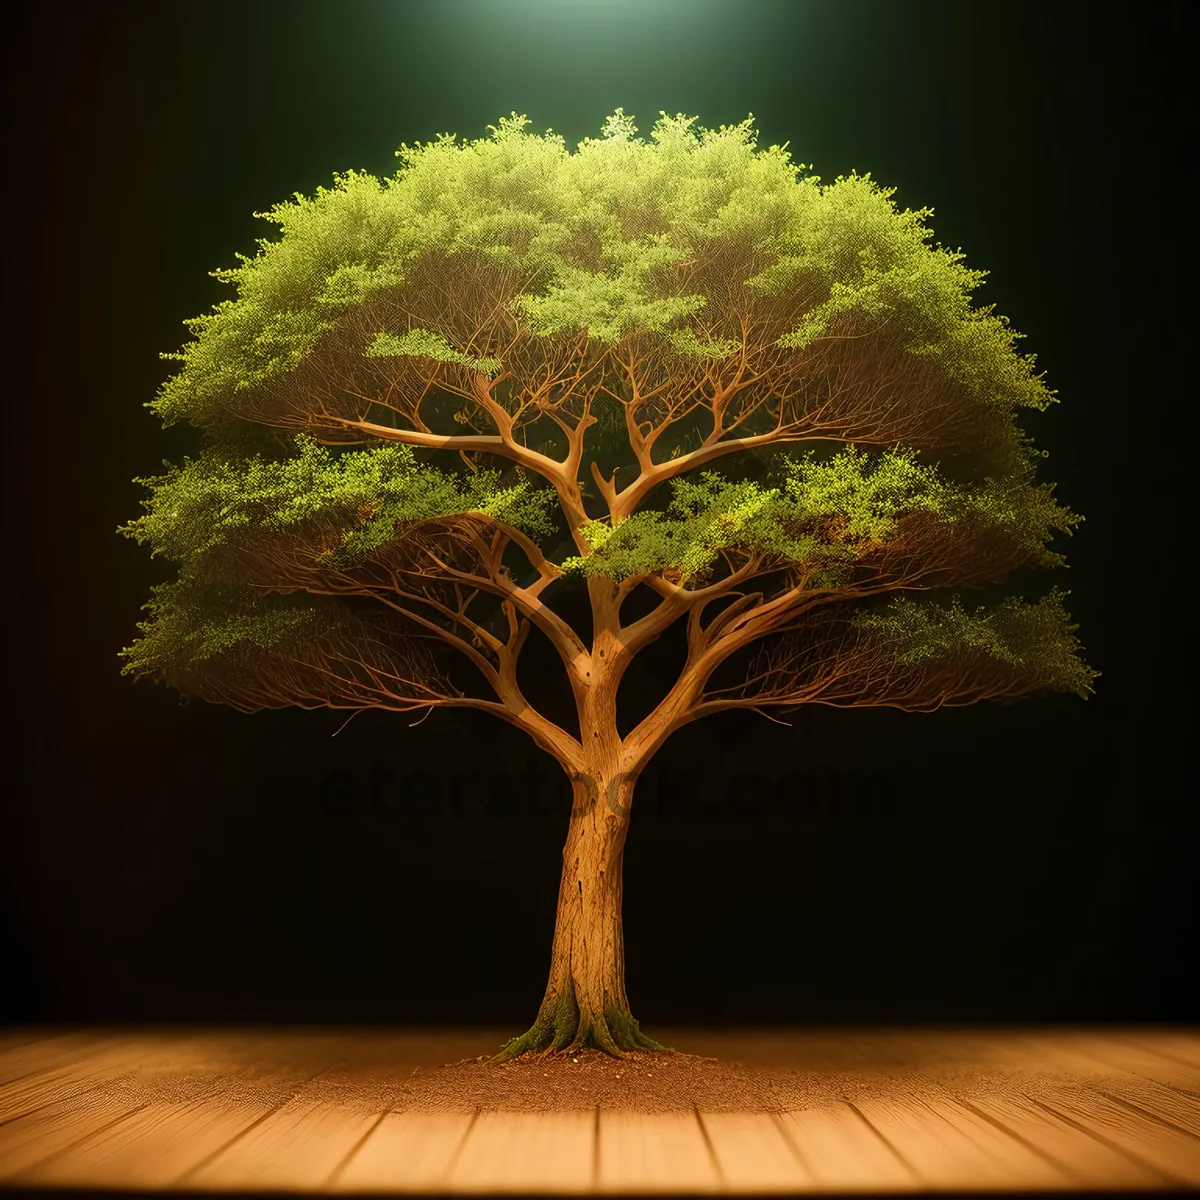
[429, 385]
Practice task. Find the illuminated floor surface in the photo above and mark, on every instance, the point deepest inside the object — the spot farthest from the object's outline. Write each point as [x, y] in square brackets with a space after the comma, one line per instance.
[892, 1111]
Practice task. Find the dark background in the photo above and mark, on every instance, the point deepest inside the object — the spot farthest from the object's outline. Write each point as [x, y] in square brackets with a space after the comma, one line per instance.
[173, 862]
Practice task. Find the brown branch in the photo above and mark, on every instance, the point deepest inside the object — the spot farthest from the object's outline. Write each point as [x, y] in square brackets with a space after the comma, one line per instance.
[490, 443]
[628, 499]
[846, 667]
[502, 679]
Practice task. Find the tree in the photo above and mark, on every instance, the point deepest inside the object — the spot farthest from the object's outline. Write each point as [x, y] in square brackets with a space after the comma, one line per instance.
[512, 373]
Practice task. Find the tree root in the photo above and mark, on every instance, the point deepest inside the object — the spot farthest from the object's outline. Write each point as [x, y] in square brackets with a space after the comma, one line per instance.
[563, 1027]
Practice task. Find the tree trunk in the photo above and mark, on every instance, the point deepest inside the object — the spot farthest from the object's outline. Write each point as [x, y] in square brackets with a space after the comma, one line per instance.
[585, 1002]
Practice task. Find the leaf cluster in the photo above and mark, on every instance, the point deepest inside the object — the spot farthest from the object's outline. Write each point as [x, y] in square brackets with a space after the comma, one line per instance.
[361, 498]
[1035, 640]
[824, 511]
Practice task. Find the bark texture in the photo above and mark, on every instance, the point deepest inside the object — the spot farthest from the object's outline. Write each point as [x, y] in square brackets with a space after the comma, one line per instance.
[585, 1004]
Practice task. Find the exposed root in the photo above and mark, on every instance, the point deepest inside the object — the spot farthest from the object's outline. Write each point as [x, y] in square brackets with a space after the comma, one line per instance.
[563, 1027]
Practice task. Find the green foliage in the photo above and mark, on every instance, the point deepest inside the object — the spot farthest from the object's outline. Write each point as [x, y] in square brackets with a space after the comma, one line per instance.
[686, 344]
[1037, 639]
[825, 512]
[193, 622]
[610, 304]
[704, 518]
[597, 237]
[877, 264]
[615, 240]
[423, 343]
[360, 496]
[339, 249]
[868, 492]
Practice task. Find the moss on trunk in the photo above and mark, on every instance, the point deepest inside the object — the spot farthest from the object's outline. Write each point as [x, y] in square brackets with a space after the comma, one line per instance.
[564, 1026]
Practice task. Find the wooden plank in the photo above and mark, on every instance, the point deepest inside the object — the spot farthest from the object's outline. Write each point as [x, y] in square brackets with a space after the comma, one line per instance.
[1168, 1150]
[527, 1152]
[1107, 1062]
[1136, 1060]
[1029, 1167]
[156, 1140]
[949, 1147]
[1089, 1055]
[151, 1147]
[18, 1036]
[1091, 1162]
[887, 1049]
[828, 1051]
[21, 1061]
[1165, 1104]
[19, 1049]
[22, 1095]
[404, 1152]
[299, 1146]
[202, 1110]
[1175, 1045]
[652, 1152]
[31, 1140]
[842, 1152]
[73, 1071]
[935, 1053]
[753, 1153]
[1127, 1074]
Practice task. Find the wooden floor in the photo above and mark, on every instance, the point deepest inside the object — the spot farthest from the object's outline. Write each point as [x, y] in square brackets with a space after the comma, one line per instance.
[1020, 1111]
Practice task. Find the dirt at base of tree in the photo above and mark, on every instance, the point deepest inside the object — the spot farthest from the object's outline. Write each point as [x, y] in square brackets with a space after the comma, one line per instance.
[367, 1078]
[648, 1081]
